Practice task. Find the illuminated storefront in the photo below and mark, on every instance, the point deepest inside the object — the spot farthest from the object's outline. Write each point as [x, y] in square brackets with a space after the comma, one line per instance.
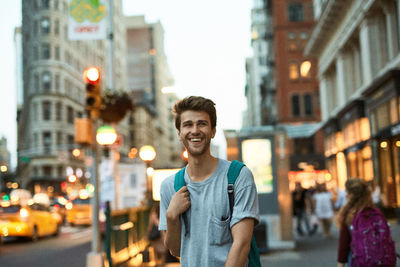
[383, 109]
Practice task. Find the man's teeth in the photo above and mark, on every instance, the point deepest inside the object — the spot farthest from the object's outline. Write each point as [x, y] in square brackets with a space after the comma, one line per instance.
[195, 139]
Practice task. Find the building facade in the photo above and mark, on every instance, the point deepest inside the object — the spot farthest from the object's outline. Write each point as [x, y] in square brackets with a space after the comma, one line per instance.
[54, 91]
[357, 46]
[148, 74]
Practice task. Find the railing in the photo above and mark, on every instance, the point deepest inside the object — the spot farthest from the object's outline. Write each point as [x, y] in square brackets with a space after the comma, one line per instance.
[126, 234]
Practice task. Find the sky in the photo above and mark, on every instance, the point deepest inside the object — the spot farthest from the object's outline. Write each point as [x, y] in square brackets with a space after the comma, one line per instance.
[206, 44]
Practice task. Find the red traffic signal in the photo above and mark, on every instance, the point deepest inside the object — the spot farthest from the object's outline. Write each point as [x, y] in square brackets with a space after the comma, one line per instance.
[92, 77]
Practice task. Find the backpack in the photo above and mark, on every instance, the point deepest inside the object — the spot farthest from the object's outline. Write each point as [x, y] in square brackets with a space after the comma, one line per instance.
[233, 173]
[371, 241]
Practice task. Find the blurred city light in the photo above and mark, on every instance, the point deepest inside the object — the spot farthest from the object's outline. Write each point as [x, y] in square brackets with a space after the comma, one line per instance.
[106, 135]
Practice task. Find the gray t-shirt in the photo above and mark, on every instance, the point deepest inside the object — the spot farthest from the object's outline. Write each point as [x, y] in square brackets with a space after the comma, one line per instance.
[209, 239]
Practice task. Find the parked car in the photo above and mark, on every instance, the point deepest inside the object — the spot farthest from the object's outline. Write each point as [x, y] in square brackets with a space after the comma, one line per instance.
[32, 221]
[78, 212]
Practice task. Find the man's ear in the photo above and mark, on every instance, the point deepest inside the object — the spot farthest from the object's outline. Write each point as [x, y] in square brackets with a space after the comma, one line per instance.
[179, 136]
[213, 131]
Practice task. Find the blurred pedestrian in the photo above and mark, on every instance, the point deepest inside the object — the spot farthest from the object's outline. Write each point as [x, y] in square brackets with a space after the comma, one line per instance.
[365, 238]
[324, 209]
[155, 236]
[340, 199]
[299, 195]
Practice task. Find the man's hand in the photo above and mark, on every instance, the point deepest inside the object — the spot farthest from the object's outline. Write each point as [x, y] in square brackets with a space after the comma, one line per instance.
[180, 202]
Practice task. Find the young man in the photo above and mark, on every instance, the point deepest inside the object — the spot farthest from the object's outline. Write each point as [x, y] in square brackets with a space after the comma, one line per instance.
[213, 237]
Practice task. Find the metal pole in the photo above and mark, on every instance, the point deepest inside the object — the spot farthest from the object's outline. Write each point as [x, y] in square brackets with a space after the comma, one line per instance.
[110, 52]
[95, 257]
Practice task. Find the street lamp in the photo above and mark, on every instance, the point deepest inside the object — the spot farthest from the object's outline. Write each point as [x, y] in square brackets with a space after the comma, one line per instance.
[148, 154]
[106, 135]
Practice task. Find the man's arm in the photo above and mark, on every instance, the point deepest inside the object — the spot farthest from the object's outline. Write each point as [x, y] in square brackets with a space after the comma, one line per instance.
[242, 233]
[180, 202]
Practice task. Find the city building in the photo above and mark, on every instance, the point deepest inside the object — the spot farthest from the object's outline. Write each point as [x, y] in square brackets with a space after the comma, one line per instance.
[357, 46]
[282, 86]
[148, 76]
[54, 91]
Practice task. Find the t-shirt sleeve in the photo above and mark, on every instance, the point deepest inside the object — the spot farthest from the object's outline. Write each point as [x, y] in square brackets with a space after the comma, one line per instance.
[245, 198]
[165, 198]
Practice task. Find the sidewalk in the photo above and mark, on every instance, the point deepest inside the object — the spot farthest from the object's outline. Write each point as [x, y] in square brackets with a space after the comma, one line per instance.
[315, 251]
[310, 251]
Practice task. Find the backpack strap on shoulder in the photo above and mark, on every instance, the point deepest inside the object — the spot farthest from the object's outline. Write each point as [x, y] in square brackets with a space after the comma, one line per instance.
[179, 179]
[179, 182]
[233, 173]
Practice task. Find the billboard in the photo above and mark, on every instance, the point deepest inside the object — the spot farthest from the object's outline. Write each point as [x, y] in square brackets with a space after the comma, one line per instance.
[86, 20]
[257, 155]
[158, 177]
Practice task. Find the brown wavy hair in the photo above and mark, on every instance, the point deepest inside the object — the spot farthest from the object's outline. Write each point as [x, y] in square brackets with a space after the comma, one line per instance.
[358, 197]
[197, 103]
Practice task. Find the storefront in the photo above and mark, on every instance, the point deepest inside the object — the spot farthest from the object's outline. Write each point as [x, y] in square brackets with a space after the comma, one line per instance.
[348, 152]
[383, 110]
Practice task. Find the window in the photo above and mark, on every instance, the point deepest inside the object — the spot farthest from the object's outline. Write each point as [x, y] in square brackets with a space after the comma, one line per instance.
[133, 181]
[45, 51]
[57, 53]
[70, 115]
[308, 106]
[35, 53]
[46, 105]
[295, 105]
[35, 112]
[47, 141]
[293, 71]
[57, 27]
[45, 26]
[79, 114]
[305, 69]
[36, 27]
[57, 82]
[46, 81]
[45, 4]
[58, 111]
[295, 12]
[35, 140]
[36, 84]
[59, 138]
[46, 171]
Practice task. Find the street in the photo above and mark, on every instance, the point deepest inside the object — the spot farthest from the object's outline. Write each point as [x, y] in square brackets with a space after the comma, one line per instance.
[68, 249]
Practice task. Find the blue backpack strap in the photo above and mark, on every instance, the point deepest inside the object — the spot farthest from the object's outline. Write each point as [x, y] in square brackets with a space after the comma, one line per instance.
[179, 179]
[179, 182]
[233, 173]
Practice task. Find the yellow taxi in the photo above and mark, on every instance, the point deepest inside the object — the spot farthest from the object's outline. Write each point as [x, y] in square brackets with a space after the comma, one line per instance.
[78, 212]
[33, 221]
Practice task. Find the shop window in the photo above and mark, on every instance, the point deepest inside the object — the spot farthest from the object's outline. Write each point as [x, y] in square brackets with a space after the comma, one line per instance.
[305, 69]
[393, 111]
[295, 12]
[382, 119]
[308, 105]
[46, 109]
[293, 71]
[295, 105]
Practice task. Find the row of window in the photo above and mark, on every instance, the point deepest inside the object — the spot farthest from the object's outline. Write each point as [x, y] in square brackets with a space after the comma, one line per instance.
[300, 70]
[297, 12]
[57, 114]
[302, 105]
[47, 140]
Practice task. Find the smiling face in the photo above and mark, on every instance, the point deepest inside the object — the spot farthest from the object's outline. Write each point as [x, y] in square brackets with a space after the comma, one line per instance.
[195, 132]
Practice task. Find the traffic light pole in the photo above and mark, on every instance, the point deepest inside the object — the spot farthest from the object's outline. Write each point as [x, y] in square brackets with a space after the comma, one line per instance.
[95, 257]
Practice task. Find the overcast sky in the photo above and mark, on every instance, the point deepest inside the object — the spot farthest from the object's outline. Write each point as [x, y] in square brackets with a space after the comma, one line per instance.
[206, 44]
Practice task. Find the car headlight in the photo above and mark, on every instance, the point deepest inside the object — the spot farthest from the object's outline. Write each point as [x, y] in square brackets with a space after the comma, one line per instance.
[23, 213]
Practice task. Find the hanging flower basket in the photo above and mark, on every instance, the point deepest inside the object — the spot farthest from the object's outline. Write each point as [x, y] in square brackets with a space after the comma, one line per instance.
[115, 105]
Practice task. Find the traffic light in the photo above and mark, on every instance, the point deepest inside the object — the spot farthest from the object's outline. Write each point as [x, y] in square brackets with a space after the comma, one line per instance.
[92, 79]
